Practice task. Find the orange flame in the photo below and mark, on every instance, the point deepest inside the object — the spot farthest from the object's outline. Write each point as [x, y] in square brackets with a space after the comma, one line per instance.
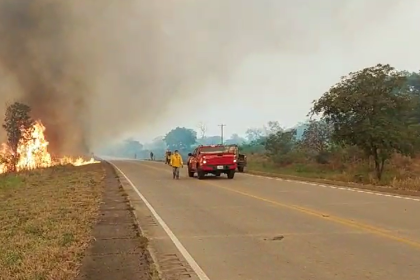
[33, 152]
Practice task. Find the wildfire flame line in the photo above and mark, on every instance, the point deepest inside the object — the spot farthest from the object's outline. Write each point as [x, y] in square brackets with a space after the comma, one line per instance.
[33, 152]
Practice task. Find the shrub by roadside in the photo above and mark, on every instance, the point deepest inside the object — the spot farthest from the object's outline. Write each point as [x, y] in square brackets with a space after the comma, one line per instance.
[46, 217]
[401, 172]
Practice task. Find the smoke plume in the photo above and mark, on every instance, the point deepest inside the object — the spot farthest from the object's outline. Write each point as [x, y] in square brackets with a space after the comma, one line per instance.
[92, 70]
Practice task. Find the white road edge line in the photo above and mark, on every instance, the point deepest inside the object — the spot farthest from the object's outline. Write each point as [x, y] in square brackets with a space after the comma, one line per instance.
[339, 188]
[190, 260]
[331, 187]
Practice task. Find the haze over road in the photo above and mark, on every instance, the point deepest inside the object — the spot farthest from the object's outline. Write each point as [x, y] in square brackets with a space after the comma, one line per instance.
[266, 229]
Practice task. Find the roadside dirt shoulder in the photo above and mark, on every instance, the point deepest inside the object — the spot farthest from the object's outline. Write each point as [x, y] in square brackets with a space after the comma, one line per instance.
[118, 251]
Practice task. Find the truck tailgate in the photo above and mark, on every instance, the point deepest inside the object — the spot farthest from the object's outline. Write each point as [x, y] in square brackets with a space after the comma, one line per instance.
[223, 159]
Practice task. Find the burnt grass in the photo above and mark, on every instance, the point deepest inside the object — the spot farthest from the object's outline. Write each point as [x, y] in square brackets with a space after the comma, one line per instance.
[118, 251]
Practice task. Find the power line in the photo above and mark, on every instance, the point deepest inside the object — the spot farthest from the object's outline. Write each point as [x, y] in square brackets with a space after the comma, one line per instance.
[222, 126]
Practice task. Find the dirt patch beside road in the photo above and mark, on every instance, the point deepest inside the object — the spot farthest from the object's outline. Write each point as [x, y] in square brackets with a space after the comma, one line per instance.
[119, 250]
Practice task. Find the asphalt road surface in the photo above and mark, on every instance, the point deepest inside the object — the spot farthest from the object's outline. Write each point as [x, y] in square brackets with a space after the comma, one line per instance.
[269, 229]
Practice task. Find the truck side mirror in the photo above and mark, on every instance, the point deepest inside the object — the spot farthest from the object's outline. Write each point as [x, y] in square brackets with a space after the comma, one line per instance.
[190, 154]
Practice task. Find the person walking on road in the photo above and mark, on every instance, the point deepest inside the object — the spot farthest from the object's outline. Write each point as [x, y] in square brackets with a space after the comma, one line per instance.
[151, 156]
[176, 163]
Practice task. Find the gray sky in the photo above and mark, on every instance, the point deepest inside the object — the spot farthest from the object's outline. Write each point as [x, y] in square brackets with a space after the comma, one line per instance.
[98, 71]
[280, 83]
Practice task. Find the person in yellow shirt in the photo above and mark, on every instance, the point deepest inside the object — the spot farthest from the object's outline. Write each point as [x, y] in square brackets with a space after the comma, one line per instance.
[176, 162]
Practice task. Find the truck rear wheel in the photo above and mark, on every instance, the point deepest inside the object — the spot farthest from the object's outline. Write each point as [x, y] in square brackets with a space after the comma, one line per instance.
[231, 174]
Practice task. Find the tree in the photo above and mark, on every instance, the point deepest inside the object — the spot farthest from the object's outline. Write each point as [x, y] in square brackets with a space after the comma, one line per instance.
[254, 134]
[158, 143]
[202, 128]
[413, 87]
[157, 146]
[280, 143]
[211, 140]
[370, 109]
[17, 121]
[300, 129]
[180, 138]
[272, 127]
[316, 140]
[235, 139]
[413, 82]
[317, 136]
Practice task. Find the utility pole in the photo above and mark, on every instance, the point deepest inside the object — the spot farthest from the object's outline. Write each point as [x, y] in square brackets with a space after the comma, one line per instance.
[222, 126]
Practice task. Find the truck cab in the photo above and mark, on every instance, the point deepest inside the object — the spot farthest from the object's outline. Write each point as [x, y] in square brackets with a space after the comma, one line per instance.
[212, 159]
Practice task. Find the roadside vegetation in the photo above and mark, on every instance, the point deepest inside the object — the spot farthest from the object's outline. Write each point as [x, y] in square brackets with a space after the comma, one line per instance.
[46, 217]
[365, 129]
[47, 207]
[368, 132]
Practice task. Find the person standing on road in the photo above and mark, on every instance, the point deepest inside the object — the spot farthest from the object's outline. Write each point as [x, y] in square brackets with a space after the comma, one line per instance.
[151, 156]
[176, 162]
[168, 157]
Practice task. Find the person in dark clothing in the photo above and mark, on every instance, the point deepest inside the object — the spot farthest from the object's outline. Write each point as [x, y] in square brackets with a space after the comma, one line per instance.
[168, 157]
[151, 156]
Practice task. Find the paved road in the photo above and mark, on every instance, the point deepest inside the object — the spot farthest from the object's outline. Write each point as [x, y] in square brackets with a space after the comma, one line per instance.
[267, 229]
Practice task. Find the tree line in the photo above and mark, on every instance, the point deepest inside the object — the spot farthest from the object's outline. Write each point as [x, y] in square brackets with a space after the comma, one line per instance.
[367, 118]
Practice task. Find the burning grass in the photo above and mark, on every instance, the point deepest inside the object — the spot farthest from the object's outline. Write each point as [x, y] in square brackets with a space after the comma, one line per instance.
[32, 152]
[46, 217]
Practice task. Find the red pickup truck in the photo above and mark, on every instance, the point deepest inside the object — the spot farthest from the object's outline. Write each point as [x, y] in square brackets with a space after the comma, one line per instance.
[214, 159]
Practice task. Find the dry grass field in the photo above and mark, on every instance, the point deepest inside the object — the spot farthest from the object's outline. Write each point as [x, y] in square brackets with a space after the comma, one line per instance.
[46, 219]
[400, 173]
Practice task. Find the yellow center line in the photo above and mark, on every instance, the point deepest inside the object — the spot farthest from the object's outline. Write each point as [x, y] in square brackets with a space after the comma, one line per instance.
[324, 216]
